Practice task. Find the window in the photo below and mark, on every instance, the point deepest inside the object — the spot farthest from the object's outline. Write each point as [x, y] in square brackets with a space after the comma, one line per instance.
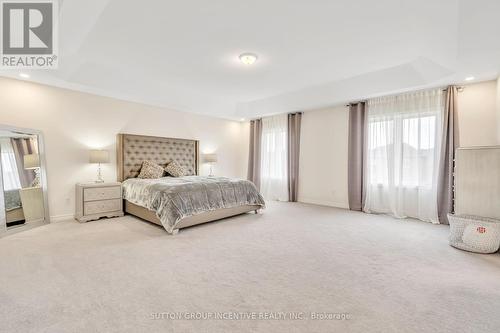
[274, 143]
[403, 142]
[416, 143]
[274, 152]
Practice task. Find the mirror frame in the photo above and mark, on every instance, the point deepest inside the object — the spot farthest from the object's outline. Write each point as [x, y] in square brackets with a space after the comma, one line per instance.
[43, 176]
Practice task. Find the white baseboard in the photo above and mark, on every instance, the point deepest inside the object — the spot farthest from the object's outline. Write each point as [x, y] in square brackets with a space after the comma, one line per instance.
[328, 203]
[60, 218]
[36, 221]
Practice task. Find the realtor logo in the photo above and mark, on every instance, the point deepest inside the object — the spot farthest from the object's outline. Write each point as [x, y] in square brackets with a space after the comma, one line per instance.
[29, 34]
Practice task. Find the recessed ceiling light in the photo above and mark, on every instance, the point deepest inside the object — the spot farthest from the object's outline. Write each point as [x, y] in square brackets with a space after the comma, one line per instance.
[248, 58]
[242, 119]
[24, 75]
[470, 78]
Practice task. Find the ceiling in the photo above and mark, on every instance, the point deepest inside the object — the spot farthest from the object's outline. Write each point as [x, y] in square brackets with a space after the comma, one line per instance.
[183, 55]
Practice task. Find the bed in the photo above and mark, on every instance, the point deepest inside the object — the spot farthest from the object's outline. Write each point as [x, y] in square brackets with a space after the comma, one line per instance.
[178, 202]
[13, 206]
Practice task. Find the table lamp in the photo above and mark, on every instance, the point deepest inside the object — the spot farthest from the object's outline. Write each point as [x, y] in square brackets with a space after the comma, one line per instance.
[210, 159]
[98, 157]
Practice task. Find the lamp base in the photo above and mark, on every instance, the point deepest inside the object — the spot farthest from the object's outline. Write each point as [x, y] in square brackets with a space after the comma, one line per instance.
[99, 175]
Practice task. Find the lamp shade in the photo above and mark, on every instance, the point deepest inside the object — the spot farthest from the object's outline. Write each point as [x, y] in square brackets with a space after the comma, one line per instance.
[210, 158]
[31, 161]
[99, 156]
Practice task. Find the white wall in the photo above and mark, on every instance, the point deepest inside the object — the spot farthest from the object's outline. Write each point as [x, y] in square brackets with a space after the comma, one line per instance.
[477, 111]
[324, 142]
[323, 157]
[74, 122]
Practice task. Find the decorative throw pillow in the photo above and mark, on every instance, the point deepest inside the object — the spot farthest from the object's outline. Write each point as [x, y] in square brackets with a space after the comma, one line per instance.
[150, 170]
[174, 169]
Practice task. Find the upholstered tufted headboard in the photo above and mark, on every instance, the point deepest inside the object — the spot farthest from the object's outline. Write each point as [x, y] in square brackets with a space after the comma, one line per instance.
[133, 149]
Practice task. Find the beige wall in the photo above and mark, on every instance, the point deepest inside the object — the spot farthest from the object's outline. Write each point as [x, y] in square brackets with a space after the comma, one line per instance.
[478, 119]
[74, 122]
[323, 157]
[324, 142]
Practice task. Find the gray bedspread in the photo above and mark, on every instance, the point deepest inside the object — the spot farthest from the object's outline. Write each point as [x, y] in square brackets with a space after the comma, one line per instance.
[174, 198]
[12, 200]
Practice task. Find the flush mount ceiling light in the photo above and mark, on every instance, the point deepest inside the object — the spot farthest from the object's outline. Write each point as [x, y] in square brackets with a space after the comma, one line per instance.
[248, 58]
[470, 78]
[24, 75]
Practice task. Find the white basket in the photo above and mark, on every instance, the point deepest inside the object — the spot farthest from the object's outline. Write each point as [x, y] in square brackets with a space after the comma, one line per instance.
[474, 233]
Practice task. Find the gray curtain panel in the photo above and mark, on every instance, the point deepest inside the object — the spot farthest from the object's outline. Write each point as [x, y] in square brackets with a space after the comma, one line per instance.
[450, 143]
[254, 152]
[294, 122]
[357, 125]
[24, 146]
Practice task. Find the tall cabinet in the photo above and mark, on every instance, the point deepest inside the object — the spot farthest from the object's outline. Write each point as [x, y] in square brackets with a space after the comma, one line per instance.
[477, 181]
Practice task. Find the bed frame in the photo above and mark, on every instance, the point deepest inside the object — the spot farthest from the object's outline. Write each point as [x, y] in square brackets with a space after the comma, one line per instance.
[14, 215]
[133, 149]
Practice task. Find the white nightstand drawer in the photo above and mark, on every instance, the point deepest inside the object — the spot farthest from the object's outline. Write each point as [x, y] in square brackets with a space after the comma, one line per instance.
[102, 193]
[97, 200]
[104, 206]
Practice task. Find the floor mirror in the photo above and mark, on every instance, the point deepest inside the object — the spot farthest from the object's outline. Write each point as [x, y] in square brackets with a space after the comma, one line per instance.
[23, 181]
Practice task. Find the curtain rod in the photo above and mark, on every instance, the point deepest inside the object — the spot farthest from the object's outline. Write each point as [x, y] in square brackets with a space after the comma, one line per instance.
[287, 113]
[459, 89]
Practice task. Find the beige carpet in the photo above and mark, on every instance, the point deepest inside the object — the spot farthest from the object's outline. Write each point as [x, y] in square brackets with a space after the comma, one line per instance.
[124, 275]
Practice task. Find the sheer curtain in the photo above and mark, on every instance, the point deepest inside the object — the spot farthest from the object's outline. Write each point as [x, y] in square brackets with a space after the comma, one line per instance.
[274, 176]
[10, 173]
[403, 143]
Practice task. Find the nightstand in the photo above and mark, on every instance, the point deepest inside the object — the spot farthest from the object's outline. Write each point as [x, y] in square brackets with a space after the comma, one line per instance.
[96, 200]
